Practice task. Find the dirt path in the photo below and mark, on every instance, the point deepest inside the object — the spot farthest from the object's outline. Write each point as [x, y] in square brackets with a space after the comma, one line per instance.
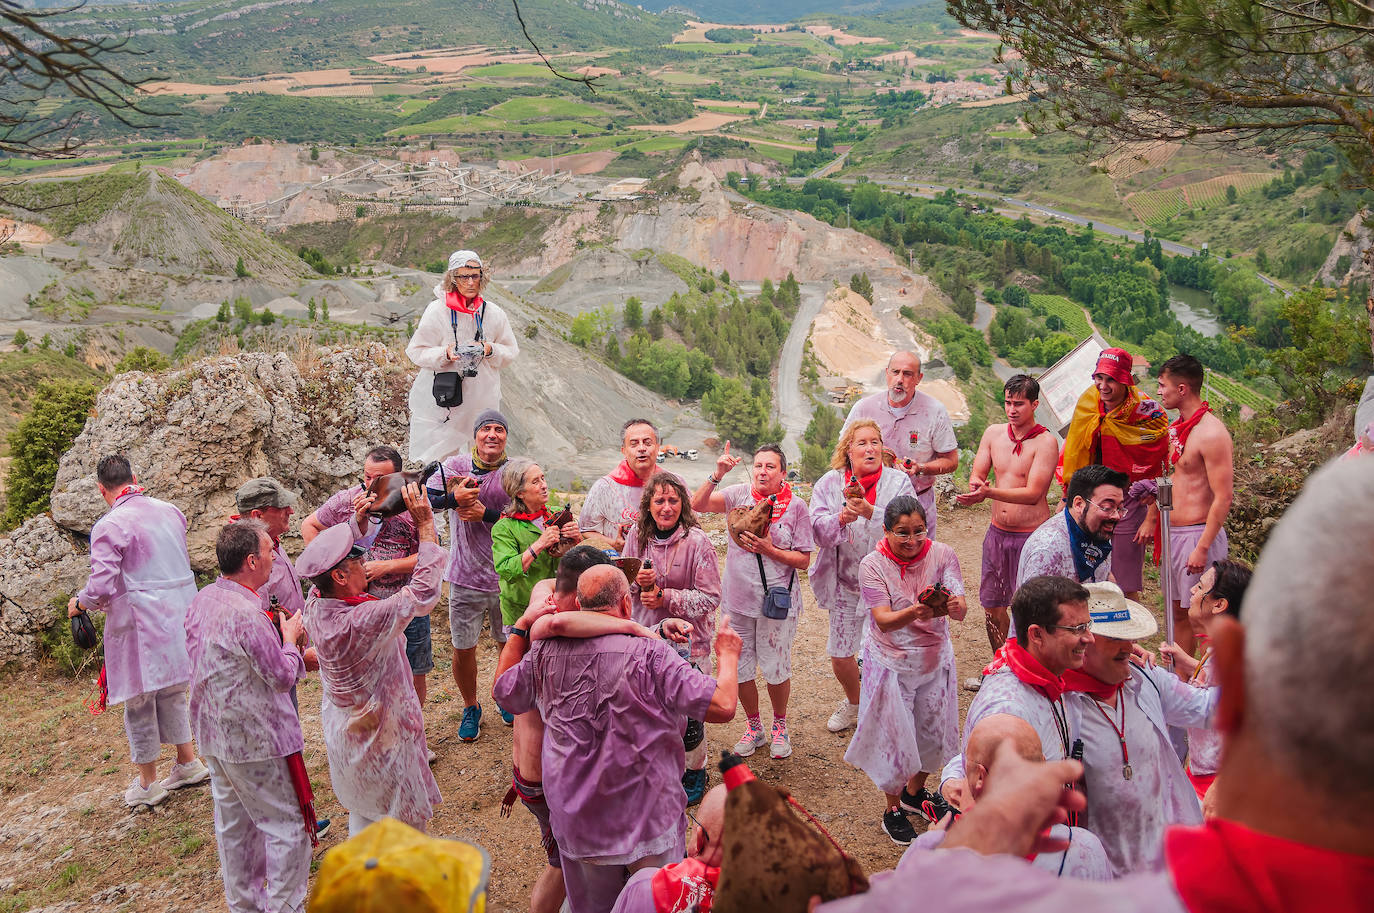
[67, 840]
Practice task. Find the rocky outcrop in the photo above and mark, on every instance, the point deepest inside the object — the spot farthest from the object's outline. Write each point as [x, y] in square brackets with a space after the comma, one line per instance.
[1349, 251]
[41, 565]
[196, 434]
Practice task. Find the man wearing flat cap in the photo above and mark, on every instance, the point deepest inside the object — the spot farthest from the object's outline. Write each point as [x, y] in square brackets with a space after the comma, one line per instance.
[475, 499]
[268, 500]
[462, 333]
[1135, 783]
[373, 728]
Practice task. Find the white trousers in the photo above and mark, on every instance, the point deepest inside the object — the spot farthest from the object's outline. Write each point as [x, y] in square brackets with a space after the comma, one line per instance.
[264, 851]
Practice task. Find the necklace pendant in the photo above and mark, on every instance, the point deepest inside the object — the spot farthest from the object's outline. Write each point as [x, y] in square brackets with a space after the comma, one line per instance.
[1126, 771]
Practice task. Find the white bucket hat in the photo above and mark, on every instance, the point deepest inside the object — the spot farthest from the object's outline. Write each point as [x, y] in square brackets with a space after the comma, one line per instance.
[462, 257]
[1113, 615]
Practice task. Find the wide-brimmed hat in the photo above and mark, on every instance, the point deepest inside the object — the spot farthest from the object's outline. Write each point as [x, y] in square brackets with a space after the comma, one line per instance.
[1113, 615]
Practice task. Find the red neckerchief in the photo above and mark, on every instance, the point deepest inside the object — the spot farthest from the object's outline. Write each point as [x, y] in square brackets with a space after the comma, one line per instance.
[686, 885]
[1180, 428]
[1017, 442]
[624, 475]
[869, 484]
[781, 499]
[457, 302]
[138, 489]
[902, 564]
[531, 516]
[1224, 867]
[359, 599]
[1026, 668]
[1091, 685]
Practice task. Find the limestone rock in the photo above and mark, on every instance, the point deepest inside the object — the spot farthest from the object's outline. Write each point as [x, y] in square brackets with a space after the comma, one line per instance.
[39, 563]
[196, 434]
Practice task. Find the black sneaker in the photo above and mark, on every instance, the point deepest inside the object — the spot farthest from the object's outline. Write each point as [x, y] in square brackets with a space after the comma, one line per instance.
[934, 807]
[910, 803]
[897, 828]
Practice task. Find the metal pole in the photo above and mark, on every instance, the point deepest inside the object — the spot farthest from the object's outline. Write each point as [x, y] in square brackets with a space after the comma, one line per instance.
[1165, 496]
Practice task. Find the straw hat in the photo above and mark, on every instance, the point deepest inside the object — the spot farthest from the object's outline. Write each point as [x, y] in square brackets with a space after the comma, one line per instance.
[1113, 615]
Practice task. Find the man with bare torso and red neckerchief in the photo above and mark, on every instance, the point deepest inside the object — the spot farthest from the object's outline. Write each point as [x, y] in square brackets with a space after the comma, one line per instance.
[1200, 454]
[1022, 456]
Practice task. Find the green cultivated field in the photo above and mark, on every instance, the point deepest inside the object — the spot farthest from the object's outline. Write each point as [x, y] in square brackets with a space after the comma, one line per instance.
[534, 107]
[1075, 324]
[510, 71]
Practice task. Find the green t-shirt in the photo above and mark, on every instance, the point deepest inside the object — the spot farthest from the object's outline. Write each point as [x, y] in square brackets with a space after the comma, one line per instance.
[509, 539]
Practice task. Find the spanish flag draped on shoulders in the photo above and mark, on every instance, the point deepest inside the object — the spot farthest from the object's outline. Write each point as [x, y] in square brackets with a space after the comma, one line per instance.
[1132, 438]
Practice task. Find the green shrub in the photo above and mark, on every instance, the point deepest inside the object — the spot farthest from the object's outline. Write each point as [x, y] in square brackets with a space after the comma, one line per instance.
[142, 358]
[57, 416]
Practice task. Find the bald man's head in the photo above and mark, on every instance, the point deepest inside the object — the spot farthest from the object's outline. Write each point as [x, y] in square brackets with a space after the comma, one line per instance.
[903, 374]
[603, 588]
[992, 731]
[710, 815]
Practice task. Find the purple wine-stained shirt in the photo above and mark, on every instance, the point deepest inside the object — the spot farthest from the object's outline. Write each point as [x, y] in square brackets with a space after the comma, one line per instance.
[470, 563]
[688, 573]
[614, 708]
[141, 579]
[373, 726]
[283, 584]
[914, 647]
[241, 677]
[395, 537]
[840, 548]
[741, 588]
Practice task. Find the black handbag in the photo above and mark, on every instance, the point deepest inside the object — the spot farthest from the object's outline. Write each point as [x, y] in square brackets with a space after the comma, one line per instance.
[777, 600]
[448, 385]
[83, 631]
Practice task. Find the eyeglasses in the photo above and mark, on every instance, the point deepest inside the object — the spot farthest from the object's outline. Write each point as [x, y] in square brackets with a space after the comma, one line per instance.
[467, 277]
[1075, 630]
[1110, 509]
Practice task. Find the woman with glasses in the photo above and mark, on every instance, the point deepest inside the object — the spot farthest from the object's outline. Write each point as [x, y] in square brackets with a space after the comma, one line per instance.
[466, 341]
[908, 698]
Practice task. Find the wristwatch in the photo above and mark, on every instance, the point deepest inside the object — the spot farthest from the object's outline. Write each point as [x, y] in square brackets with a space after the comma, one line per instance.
[522, 632]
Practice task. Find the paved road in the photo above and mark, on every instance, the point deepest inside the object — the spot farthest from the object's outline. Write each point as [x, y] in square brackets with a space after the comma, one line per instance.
[793, 406]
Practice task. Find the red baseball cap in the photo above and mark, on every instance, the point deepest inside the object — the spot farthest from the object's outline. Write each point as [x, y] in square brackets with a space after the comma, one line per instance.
[1116, 364]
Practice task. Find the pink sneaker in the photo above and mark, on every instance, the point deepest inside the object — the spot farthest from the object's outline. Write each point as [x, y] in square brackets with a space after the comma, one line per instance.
[752, 739]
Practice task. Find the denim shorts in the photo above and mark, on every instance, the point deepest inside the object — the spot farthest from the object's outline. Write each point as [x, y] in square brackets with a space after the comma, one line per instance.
[418, 649]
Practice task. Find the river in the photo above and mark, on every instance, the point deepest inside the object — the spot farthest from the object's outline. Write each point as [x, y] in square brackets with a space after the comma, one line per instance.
[1194, 309]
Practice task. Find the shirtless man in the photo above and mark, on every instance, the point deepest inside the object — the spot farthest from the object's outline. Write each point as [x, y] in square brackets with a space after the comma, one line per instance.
[1200, 454]
[1022, 457]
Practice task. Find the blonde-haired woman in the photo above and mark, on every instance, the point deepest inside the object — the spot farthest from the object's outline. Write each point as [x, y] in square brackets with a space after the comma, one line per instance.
[847, 522]
[460, 333]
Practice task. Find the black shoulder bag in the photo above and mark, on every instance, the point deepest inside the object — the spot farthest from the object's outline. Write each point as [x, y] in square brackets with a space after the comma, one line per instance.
[777, 600]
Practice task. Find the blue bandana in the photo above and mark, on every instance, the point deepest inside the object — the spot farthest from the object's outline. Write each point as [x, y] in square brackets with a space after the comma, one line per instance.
[1088, 554]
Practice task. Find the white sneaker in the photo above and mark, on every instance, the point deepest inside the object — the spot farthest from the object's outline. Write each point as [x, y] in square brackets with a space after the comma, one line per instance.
[751, 740]
[430, 756]
[845, 717]
[782, 744]
[137, 794]
[973, 684]
[186, 774]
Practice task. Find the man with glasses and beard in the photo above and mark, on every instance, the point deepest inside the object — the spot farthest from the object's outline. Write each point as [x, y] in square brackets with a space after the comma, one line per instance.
[1077, 542]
